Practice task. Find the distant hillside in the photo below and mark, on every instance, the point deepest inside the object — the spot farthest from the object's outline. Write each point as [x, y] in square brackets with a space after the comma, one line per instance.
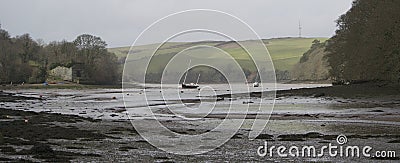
[285, 52]
[313, 65]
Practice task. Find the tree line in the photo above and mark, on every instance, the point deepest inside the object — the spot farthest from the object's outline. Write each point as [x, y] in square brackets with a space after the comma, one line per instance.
[366, 46]
[24, 60]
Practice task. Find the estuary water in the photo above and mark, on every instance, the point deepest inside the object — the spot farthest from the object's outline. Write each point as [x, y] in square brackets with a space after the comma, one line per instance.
[117, 103]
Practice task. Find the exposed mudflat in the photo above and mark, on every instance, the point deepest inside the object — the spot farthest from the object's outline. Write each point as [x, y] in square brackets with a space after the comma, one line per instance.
[93, 125]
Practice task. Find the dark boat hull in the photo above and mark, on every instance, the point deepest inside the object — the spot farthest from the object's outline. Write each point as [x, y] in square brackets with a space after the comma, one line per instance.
[186, 86]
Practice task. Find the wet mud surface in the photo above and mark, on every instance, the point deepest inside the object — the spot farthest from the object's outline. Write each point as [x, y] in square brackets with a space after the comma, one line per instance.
[92, 125]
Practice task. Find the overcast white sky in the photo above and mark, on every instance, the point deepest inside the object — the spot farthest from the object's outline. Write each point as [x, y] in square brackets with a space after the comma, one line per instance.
[119, 22]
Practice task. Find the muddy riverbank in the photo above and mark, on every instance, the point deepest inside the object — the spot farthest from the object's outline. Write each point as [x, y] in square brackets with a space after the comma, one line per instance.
[92, 125]
[363, 90]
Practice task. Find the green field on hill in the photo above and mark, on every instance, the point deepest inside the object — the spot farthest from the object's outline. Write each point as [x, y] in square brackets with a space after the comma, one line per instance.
[285, 52]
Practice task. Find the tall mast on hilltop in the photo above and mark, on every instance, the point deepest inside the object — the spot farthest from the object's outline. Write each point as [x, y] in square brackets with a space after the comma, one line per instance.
[300, 29]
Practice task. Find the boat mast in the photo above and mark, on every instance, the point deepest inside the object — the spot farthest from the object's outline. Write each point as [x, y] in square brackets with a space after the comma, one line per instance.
[184, 80]
[198, 77]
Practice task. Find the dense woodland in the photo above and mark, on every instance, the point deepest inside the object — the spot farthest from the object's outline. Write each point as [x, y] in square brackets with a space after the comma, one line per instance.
[24, 60]
[366, 46]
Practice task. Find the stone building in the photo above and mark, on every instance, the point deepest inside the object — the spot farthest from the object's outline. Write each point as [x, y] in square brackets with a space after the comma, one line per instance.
[61, 73]
[76, 74]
